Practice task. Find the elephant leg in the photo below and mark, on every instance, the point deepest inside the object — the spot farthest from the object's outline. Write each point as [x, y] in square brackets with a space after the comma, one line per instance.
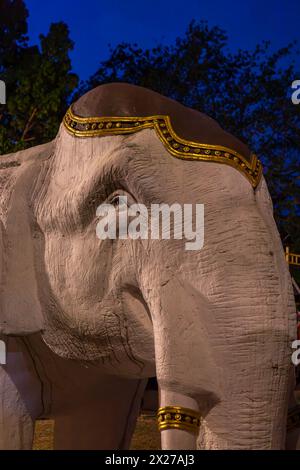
[16, 424]
[96, 414]
[293, 432]
[252, 411]
[20, 398]
[91, 409]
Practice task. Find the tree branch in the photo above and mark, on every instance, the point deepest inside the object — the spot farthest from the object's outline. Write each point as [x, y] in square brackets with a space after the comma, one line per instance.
[28, 124]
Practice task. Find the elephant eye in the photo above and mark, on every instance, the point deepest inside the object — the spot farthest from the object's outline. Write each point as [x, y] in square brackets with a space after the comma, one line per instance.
[120, 201]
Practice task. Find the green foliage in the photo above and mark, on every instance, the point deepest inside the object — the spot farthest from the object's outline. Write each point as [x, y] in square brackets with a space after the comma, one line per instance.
[39, 80]
[13, 30]
[247, 92]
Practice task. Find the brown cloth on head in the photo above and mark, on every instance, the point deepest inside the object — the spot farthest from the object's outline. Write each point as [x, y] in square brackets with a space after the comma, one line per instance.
[124, 100]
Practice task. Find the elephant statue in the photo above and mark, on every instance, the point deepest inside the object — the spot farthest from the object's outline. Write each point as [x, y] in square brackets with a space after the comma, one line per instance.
[87, 320]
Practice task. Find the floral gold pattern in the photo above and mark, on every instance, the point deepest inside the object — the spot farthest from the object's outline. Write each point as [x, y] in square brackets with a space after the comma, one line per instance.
[176, 146]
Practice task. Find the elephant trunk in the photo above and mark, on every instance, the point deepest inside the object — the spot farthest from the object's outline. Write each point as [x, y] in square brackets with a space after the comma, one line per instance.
[223, 345]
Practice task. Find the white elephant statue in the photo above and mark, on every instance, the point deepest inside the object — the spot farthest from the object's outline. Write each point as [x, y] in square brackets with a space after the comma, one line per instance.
[87, 320]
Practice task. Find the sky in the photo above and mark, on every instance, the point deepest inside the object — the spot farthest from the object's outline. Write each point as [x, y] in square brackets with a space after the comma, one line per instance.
[94, 24]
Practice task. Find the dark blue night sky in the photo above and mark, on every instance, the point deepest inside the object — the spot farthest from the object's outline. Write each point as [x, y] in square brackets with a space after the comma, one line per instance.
[96, 23]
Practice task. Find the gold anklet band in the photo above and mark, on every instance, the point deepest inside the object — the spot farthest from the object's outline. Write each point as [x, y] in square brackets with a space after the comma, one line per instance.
[177, 417]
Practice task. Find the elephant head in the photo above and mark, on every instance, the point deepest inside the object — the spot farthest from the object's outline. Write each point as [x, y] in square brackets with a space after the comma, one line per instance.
[215, 325]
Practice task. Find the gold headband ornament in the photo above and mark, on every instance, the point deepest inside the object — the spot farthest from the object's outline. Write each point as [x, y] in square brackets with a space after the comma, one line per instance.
[175, 145]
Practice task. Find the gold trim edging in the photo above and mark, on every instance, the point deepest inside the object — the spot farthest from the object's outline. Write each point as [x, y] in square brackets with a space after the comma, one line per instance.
[178, 147]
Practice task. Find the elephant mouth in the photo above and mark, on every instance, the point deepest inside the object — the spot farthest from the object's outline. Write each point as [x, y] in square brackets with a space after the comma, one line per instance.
[118, 343]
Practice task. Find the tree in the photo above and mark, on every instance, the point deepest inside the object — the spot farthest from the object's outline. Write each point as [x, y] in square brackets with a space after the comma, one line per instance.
[39, 80]
[247, 92]
[13, 30]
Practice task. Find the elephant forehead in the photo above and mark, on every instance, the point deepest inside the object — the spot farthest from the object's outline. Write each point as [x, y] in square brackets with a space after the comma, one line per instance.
[84, 172]
[79, 164]
[84, 156]
[140, 162]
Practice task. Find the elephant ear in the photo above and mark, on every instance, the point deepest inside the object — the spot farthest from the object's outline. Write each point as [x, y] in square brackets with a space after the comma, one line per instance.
[20, 309]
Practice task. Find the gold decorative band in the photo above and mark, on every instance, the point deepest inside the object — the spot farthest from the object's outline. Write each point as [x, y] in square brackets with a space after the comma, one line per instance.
[293, 420]
[177, 417]
[176, 146]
